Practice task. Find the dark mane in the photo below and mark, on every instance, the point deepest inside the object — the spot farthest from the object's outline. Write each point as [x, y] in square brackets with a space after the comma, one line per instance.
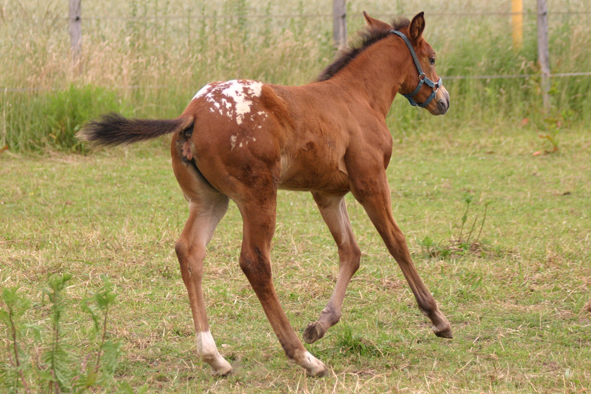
[367, 38]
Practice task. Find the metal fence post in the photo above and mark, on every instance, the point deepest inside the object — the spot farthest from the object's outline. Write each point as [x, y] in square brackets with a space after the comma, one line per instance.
[543, 51]
[339, 23]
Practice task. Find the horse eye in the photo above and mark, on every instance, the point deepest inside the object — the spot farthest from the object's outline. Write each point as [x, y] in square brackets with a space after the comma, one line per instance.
[432, 61]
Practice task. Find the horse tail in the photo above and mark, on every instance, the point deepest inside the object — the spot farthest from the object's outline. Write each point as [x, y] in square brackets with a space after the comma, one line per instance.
[113, 129]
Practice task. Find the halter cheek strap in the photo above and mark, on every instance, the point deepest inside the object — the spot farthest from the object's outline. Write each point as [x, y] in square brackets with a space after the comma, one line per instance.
[422, 77]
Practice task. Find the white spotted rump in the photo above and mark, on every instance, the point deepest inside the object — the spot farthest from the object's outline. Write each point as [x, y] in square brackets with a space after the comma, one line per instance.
[233, 98]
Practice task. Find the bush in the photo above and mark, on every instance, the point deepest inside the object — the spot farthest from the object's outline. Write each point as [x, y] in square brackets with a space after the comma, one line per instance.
[67, 110]
[50, 120]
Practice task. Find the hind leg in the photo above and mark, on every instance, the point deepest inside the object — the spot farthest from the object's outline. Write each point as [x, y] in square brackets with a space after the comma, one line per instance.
[204, 215]
[258, 214]
[206, 208]
[334, 212]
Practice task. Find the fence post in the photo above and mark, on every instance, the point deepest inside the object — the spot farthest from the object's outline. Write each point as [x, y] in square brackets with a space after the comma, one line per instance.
[543, 52]
[339, 23]
[75, 31]
[517, 22]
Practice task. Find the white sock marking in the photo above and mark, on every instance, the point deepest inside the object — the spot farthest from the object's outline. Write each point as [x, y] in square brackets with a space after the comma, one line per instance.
[206, 344]
[209, 353]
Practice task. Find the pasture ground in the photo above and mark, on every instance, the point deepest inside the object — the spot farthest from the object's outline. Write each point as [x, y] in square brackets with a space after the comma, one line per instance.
[519, 304]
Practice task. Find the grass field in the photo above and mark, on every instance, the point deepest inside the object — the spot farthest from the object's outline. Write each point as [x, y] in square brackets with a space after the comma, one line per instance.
[519, 306]
[517, 292]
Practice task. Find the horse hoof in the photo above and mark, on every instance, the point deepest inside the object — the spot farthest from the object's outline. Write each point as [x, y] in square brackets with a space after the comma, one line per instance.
[222, 368]
[319, 373]
[313, 366]
[445, 333]
[313, 332]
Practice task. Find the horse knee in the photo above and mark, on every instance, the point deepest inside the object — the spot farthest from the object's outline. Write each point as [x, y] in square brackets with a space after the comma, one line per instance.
[256, 267]
[351, 256]
[181, 248]
[190, 258]
[398, 247]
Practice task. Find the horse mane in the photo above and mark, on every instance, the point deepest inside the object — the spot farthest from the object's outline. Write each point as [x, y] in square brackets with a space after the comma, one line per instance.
[367, 38]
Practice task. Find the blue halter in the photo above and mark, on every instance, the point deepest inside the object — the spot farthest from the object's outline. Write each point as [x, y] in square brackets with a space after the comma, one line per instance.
[422, 77]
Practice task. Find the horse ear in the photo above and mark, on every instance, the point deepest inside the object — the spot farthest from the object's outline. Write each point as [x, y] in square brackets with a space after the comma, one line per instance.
[371, 22]
[417, 26]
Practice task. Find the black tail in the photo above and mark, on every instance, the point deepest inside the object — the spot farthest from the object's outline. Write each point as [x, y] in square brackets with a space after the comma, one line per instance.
[113, 129]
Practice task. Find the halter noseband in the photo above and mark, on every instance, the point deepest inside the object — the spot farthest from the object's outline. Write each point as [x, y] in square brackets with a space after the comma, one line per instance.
[422, 77]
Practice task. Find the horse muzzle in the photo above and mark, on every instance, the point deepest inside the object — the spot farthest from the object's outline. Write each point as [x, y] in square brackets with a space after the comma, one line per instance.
[441, 101]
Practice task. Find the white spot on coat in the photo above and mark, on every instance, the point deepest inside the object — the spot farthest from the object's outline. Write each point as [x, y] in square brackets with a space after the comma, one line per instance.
[237, 98]
[242, 93]
[204, 90]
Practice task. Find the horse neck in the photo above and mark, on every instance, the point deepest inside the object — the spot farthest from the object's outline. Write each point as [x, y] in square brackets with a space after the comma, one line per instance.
[377, 73]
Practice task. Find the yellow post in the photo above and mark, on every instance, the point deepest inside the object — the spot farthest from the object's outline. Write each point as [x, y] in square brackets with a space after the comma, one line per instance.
[517, 21]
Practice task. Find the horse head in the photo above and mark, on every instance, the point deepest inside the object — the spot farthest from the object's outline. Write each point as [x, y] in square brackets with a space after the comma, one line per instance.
[422, 86]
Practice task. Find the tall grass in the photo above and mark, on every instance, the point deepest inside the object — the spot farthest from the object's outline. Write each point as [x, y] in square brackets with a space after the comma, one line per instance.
[160, 52]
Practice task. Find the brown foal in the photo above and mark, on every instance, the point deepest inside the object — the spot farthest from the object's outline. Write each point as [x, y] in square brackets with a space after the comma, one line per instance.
[243, 140]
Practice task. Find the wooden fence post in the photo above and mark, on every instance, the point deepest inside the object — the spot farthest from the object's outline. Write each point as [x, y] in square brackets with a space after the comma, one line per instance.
[339, 23]
[76, 31]
[543, 52]
[517, 22]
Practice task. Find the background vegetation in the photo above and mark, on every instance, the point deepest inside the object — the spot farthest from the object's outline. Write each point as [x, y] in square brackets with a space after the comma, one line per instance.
[91, 295]
[147, 58]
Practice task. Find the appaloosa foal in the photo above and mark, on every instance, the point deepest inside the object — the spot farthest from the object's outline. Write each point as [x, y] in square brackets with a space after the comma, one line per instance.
[244, 139]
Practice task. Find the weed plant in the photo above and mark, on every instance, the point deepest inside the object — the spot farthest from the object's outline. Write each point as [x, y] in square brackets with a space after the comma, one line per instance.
[40, 357]
[462, 244]
[152, 56]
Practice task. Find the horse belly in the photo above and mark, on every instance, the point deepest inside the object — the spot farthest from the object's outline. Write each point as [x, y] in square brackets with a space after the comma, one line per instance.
[312, 175]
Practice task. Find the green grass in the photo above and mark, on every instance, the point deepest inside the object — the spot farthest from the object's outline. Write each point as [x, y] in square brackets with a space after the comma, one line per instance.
[519, 306]
[518, 310]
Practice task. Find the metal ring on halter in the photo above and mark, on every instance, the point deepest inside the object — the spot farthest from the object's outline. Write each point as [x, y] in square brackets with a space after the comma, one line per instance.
[422, 76]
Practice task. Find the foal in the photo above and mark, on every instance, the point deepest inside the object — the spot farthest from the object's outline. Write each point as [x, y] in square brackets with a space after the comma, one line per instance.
[243, 140]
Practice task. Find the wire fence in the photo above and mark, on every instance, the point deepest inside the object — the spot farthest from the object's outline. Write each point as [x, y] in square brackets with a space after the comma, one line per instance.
[580, 74]
[450, 78]
[191, 16]
[312, 16]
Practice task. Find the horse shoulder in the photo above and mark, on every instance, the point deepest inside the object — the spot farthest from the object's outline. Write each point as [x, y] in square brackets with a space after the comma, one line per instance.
[370, 140]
